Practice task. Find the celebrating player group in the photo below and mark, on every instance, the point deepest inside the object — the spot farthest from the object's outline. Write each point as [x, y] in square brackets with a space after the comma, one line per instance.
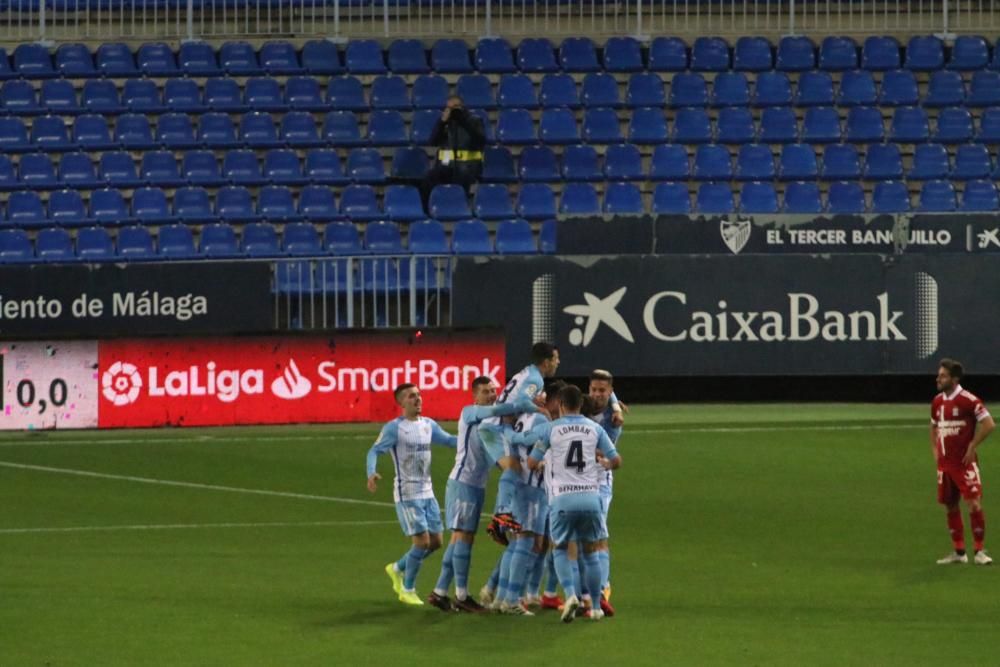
[555, 447]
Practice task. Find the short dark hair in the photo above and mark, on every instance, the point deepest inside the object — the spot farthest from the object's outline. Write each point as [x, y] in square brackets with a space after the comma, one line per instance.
[554, 387]
[542, 352]
[400, 389]
[601, 374]
[571, 397]
[480, 381]
[953, 367]
[588, 406]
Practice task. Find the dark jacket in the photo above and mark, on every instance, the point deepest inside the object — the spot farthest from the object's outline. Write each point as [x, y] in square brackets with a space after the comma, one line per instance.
[462, 132]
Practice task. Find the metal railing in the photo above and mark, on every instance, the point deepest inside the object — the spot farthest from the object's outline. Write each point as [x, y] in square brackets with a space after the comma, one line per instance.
[371, 291]
[29, 20]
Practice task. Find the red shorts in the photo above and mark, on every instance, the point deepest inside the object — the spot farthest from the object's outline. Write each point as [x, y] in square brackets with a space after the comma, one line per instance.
[956, 479]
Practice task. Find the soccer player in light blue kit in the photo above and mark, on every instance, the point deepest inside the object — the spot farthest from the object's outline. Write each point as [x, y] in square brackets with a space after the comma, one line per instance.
[465, 495]
[573, 477]
[408, 439]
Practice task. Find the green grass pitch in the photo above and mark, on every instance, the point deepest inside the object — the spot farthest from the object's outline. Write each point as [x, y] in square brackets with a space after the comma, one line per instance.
[741, 534]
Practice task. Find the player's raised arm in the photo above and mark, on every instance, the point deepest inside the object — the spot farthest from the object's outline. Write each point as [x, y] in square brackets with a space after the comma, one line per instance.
[441, 437]
[477, 413]
[386, 440]
[611, 460]
[539, 433]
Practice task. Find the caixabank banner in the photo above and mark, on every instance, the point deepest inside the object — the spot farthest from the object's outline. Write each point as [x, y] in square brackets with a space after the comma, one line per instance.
[224, 381]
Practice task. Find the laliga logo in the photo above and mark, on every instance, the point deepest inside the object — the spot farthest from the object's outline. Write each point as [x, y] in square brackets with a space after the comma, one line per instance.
[121, 383]
[291, 384]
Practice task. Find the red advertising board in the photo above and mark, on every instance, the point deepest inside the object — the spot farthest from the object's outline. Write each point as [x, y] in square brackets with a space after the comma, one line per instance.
[280, 380]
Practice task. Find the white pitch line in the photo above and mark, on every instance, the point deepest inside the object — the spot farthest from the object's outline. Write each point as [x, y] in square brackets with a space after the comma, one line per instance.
[55, 442]
[192, 485]
[188, 526]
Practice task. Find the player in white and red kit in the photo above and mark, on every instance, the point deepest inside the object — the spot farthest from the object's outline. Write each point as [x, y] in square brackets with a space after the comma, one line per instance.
[959, 424]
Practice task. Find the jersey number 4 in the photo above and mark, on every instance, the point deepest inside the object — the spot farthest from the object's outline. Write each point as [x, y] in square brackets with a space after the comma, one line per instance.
[574, 457]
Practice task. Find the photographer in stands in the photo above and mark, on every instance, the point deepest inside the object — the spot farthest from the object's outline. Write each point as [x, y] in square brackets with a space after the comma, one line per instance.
[460, 139]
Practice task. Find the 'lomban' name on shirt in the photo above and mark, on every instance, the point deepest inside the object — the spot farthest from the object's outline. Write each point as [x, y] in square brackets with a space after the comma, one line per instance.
[574, 428]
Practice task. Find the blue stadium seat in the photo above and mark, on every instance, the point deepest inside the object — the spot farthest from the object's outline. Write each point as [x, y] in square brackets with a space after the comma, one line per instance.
[49, 133]
[471, 237]
[198, 59]
[880, 54]
[709, 54]
[756, 197]
[157, 60]
[364, 56]
[282, 167]
[94, 244]
[814, 89]
[303, 93]
[688, 89]
[263, 93]
[427, 237]
[174, 131]
[260, 239]
[36, 172]
[623, 199]
[954, 126]
[798, 163]
[645, 90]
[778, 125]
[857, 87]
[74, 61]
[15, 247]
[8, 176]
[945, 90]
[995, 62]
[234, 204]
[18, 97]
[730, 89]
[216, 130]
[275, 203]
[218, 240]
[54, 245]
[358, 203]
[846, 197]
[579, 199]
[430, 91]
[538, 164]
[883, 162]
[498, 165]
[239, 59]
[600, 126]
[755, 163]
[802, 198]
[559, 90]
[890, 197]
[90, 132]
[578, 54]
[107, 207]
[734, 125]
[449, 202]
[77, 171]
[623, 162]
[515, 127]
[402, 203]
[66, 209]
[752, 54]
[647, 126]
[622, 54]
[390, 92]
[989, 126]
[838, 54]
[318, 204]
[692, 126]
[514, 237]
[535, 201]
[899, 88]
[25, 209]
[937, 197]
[972, 162]
[298, 129]
[492, 202]
[476, 91]
[278, 58]
[821, 125]
[668, 54]
[494, 56]
[980, 196]
[176, 241]
[301, 239]
[516, 91]
[115, 60]
[772, 89]
[340, 128]
[321, 57]
[671, 198]
[143, 96]
[969, 53]
[387, 128]
[323, 167]
[924, 54]
[537, 55]
[841, 162]
[547, 237]
[192, 205]
[364, 165]
[58, 97]
[909, 126]
[346, 93]
[580, 163]
[984, 91]
[600, 90]
[13, 135]
[450, 56]
[407, 56]
[159, 168]
[32, 61]
[864, 125]
[795, 54]
[712, 163]
[669, 163]
[930, 161]
[135, 243]
[714, 198]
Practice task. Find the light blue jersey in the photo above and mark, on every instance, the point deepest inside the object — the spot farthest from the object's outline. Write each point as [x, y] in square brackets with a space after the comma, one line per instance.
[472, 465]
[521, 448]
[409, 443]
[614, 432]
[522, 389]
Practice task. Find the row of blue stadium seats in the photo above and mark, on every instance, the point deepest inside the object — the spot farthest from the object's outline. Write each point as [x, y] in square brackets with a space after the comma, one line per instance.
[514, 91]
[535, 55]
[261, 239]
[620, 162]
[514, 127]
[534, 201]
